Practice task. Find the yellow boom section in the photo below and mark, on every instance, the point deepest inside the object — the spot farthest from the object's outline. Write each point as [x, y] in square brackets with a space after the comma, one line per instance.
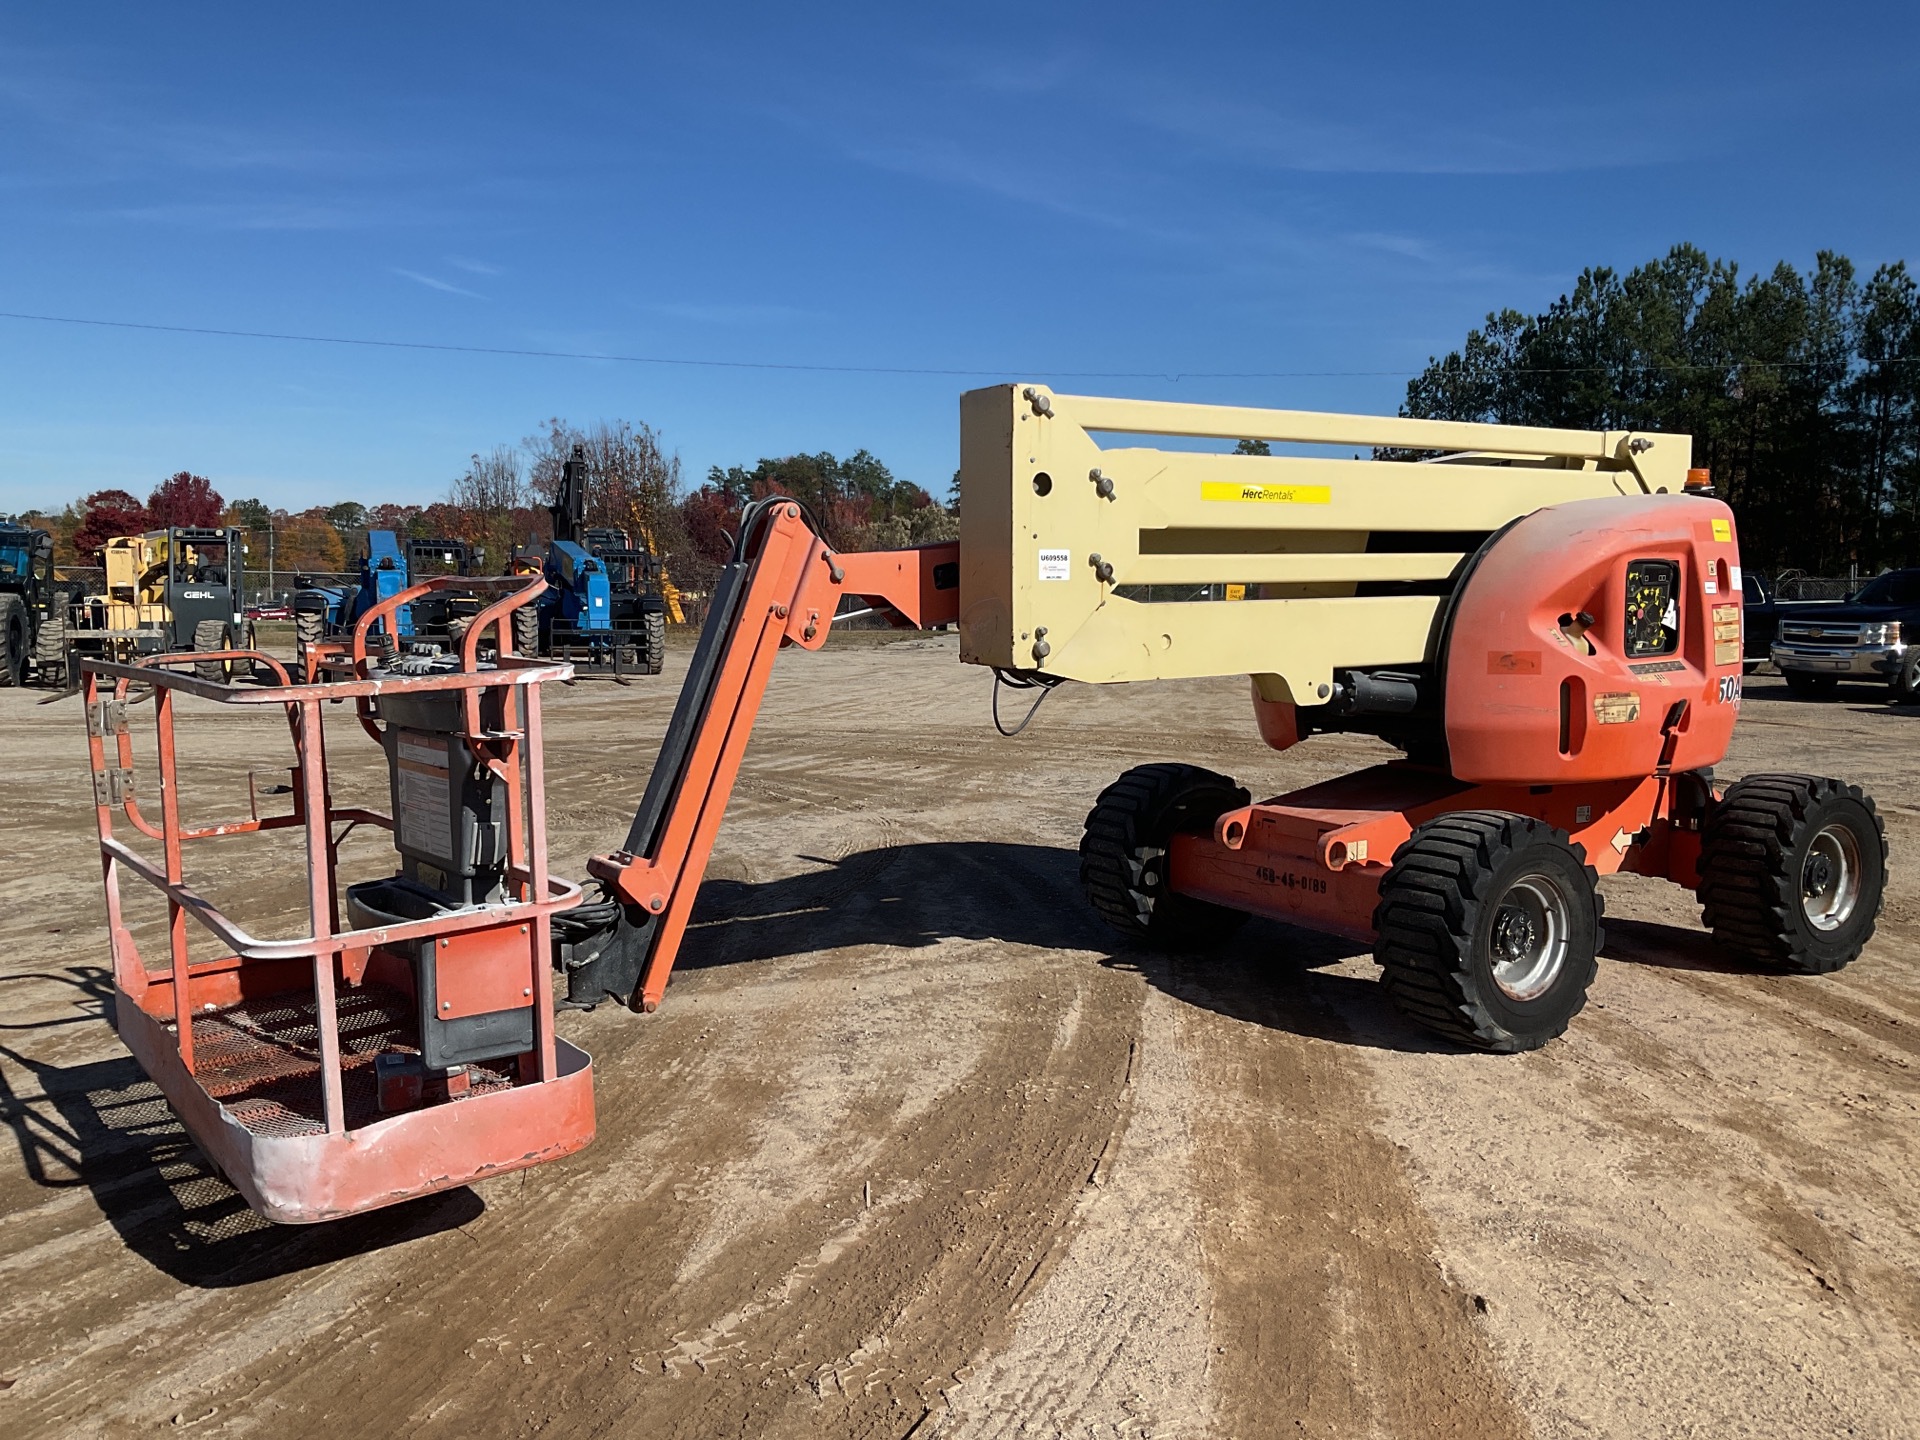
[1100, 564]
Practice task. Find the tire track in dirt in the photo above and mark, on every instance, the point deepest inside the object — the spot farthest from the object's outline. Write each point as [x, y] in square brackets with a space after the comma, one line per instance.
[1116, 1343]
[1330, 1306]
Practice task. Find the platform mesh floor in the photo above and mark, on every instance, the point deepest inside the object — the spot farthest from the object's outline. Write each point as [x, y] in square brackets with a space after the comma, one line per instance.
[261, 1058]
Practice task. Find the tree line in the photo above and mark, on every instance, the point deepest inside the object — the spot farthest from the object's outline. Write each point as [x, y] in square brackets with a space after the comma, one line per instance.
[499, 504]
[1801, 391]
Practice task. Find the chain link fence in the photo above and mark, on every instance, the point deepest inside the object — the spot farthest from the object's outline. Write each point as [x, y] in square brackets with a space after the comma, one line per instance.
[1798, 585]
[258, 586]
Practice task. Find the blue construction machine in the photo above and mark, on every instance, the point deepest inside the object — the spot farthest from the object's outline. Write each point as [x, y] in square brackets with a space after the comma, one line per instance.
[322, 610]
[605, 608]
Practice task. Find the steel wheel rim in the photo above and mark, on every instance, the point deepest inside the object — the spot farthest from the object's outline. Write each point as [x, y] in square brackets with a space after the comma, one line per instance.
[1830, 877]
[1529, 940]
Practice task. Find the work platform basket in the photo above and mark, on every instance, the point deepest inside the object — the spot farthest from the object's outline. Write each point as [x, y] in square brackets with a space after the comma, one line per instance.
[296, 1065]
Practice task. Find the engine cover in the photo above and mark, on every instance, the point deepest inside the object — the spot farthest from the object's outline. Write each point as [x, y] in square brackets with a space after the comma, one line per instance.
[1597, 640]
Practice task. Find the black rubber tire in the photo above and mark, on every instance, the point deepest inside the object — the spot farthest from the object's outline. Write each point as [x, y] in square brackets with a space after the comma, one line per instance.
[309, 629]
[50, 646]
[14, 648]
[653, 642]
[249, 640]
[1435, 924]
[1905, 689]
[526, 631]
[1755, 849]
[213, 635]
[1812, 687]
[1123, 855]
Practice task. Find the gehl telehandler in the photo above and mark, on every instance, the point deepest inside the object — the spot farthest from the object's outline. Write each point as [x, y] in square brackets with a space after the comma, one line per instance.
[1545, 623]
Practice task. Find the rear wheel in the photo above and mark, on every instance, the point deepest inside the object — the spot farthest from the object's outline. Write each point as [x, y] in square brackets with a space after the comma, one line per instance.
[653, 642]
[213, 635]
[1812, 687]
[1793, 871]
[1123, 855]
[1488, 927]
[13, 641]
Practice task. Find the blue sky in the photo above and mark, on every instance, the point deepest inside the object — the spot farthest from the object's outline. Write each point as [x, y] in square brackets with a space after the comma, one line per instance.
[1329, 192]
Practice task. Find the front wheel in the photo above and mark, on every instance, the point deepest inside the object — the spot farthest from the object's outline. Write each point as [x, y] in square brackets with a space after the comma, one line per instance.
[213, 635]
[1123, 855]
[1488, 928]
[526, 631]
[309, 629]
[50, 649]
[653, 642]
[13, 641]
[1905, 689]
[1793, 871]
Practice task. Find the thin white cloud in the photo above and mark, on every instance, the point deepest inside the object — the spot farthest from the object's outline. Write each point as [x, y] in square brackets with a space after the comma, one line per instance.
[433, 284]
[733, 315]
[473, 267]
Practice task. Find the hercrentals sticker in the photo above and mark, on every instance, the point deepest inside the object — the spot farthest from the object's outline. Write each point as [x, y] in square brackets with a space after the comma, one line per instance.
[1272, 494]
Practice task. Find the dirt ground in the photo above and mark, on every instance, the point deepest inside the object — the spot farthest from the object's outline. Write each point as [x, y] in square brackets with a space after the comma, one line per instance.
[913, 1149]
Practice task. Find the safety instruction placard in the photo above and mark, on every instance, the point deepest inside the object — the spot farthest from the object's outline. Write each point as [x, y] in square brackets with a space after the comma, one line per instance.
[1618, 707]
[424, 817]
[1268, 494]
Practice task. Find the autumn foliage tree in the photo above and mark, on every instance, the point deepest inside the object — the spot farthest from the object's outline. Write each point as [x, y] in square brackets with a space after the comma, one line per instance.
[184, 498]
[104, 515]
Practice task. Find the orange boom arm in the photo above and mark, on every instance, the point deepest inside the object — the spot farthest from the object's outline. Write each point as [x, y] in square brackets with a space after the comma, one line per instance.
[783, 587]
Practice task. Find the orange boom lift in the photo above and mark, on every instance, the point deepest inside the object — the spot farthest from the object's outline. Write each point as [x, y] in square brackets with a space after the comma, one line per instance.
[1549, 634]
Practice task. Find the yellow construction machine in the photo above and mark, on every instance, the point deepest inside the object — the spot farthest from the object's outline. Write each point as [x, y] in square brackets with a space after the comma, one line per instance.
[167, 590]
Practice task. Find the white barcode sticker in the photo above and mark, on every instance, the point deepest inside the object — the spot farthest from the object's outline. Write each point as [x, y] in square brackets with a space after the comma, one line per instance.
[1733, 581]
[1056, 564]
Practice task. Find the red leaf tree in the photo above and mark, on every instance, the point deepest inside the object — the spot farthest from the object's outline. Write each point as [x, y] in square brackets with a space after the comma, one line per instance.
[105, 515]
[185, 499]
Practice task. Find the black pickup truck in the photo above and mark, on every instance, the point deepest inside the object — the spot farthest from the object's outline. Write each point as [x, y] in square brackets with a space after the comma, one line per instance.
[1872, 635]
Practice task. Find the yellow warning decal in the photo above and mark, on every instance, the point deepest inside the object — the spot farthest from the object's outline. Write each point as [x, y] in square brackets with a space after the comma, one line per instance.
[1723, 530]
[1271, 494]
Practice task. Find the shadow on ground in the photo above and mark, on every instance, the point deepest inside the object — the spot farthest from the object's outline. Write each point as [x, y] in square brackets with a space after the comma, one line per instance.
[105, 1126]
[913, 896]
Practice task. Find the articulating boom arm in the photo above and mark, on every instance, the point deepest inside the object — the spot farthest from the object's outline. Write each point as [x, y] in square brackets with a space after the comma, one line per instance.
[781, 588]
[569, 507]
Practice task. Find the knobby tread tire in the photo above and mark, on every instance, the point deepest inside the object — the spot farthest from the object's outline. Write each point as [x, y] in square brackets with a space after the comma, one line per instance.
[309, 629]
[50, 648]
[1434, 908]
[526, 631]
[653, 642]
[211, 635]
[13, 641]
[1753, 846]
[1123, 866]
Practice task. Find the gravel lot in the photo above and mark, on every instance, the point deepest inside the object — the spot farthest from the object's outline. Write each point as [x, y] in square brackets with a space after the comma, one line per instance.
[911, 1148]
